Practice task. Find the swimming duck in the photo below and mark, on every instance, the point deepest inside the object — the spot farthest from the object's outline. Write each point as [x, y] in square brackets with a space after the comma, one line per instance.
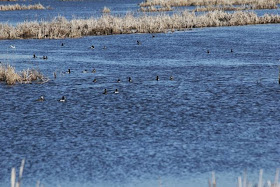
[119, 80]
[208, 51]
[231, 50]
[41, 98]
[92, 47]
[104, 47]
[12, 46]
[105, 91]
[129, 79]
[138, 42]
[157, 78]
[69, 71]
[62, 44]
[63, 99]
[34, 56]
[171, 78]
[45, 57]
[93, 71]
[94, 80]
[85, 71]
[116, 91]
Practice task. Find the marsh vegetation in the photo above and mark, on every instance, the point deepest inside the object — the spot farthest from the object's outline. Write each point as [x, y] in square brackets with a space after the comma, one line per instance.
[9, 75]
[21, 7]
[60, 27]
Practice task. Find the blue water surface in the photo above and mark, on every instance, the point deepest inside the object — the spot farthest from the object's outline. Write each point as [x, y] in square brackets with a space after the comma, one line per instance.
[219, 113]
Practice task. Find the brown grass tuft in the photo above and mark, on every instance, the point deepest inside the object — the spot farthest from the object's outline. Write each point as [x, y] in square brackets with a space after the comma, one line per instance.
[9, 75]
[21, 7]
[106, 10]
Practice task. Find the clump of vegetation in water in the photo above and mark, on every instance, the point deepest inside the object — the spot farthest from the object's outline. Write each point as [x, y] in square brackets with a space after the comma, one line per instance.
[21, 7]
[108, 24]
[106, 10]
[9, 75]
[155, 9]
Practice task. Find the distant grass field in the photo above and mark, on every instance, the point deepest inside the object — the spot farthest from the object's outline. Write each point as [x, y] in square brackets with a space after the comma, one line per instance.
[21, 7]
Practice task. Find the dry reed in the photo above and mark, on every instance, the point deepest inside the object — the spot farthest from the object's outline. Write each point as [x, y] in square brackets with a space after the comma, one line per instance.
[21, 7]
[106, 10]
[9, 75]
[174, 3]
[107, 24]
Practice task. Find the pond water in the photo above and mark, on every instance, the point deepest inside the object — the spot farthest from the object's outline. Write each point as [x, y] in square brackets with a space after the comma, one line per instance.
[219, 113]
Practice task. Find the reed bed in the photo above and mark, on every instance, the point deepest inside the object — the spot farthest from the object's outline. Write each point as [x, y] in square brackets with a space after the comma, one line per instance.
[155, 9]
[175, 3]
[107, 24]
[234, 8]
[9, 75]
[21, 7]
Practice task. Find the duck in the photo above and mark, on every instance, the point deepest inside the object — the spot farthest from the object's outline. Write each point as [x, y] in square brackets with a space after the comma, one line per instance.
[171, 78]
[85, 71]
[157, 78]
[93, 71]
[41, 98]
[119, 80]
[62, 44]
[231, 50]
[105, 91]
[129, 79]
[92, 47]
[94, 80]
[63, 99]
[69, 71]
[116, 91]
[138, 42]
[208, 51]
[45, 57]
[34, 56]
[12, 46]
[104, 47]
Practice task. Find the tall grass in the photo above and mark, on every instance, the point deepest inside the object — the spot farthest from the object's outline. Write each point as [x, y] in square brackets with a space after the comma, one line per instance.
[206, 2]
[107, 24]
[9, 75]
[21, 7]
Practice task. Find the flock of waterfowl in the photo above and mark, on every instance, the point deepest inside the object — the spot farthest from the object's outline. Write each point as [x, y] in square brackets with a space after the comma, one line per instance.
[63, 98]
[116, 91]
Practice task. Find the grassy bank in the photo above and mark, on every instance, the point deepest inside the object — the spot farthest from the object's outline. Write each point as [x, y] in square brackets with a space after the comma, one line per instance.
[9, 75]
[60, 27]
[174, 3]
[21, 7]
